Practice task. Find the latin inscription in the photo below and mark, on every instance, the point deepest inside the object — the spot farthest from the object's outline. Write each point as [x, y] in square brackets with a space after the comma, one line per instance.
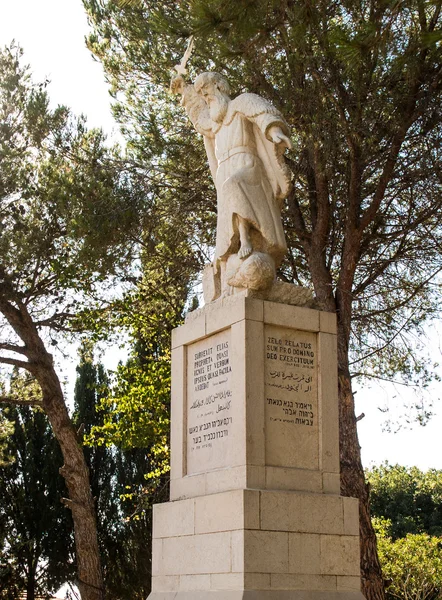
[209, 402]
[291, 398]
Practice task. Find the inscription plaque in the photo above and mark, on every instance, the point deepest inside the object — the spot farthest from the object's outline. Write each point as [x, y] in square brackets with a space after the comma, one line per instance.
[291, 399]
[209, 403]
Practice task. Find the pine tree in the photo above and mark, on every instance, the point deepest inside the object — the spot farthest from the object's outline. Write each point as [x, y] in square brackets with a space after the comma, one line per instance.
[117, 481]
[36, 531]
[69, 207]
[360, 85]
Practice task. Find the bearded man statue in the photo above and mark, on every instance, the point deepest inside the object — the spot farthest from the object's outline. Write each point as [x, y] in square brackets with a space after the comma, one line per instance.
[245, 139]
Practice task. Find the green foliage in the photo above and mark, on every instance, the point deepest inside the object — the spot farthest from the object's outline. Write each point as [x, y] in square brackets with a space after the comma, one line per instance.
[69, 205]
[136, 414]
[86, 245]
[71, 222]
[412, 566]
[410, 499]
[136, 411]
[407, 508]
[131, 425]
[360, 86]
[36, 546]
[6, 429]
[117, 473]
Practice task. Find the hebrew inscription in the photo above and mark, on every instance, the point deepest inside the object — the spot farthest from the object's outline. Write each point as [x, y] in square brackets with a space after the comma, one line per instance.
[209, 403]
[291, 401]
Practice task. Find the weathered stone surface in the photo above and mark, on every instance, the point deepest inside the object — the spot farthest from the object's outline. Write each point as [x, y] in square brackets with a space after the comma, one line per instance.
[340, 555]
[328, 407]
[260, 517]
[279, 478]
[228, 310]
[291, 401]
[304, 554]
[351, 516]
[287, 293]
[266, 551]
[195, 582]
[211, 284]
[174, 519]
[279, 293]
[226, 581]
[245, 139]
[259, 447]
[228, 511]
[303, 582]
[273, 594]
[191, 331]
[293, 317]
[302, 513]
[331, 483]
[327, 322]
[165, 583]
[256, 272]
[196, 554]
[348, 583]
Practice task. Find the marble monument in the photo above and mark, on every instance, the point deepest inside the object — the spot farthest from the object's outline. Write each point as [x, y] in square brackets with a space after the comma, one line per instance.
[255, 511]
[245, 139]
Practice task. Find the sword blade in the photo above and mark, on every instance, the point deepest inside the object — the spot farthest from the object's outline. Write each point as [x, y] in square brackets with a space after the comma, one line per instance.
[181, 68]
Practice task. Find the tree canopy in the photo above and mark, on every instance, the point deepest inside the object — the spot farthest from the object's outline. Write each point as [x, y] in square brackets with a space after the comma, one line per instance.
[36, 550]
[406, 506]
[359, 83]
[70, 211]
[412, 565]
[66, 202]
[117, 477]
[409, 498]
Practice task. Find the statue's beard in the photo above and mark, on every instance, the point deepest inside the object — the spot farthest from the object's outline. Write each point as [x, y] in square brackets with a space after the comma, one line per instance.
[218, 109]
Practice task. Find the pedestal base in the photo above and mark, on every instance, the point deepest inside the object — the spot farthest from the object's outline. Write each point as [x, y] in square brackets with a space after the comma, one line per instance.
[257, 545]
[256, 595]
[255, 511]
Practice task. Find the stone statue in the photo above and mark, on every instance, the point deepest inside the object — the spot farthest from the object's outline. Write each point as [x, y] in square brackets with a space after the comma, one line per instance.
[245, 139]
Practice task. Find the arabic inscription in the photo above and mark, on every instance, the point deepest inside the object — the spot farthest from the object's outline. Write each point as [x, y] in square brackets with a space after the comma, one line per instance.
[291, 401]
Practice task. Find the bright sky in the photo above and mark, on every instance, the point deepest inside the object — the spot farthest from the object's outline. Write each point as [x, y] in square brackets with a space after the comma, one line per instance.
[52, 34]
[412, 444]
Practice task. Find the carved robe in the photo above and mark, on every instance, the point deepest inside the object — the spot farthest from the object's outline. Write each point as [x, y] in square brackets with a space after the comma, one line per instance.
[248, 169]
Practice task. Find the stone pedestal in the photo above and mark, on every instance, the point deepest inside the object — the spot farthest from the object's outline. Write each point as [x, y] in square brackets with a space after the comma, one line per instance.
[255, 510]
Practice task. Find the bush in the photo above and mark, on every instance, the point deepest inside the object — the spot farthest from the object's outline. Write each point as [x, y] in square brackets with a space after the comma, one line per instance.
[412, 565]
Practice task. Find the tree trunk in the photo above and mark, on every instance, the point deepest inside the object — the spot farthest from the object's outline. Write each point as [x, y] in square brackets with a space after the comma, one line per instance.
[30, 590]
[76, 475]
[75, 471]
[30, 583]
[353, 484]
[352, 473]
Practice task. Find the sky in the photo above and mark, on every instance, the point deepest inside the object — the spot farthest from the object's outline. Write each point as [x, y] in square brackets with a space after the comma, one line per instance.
[52, 34]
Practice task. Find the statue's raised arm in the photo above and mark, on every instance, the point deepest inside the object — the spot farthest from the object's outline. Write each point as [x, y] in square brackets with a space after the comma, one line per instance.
[196, 108]
[245, 139]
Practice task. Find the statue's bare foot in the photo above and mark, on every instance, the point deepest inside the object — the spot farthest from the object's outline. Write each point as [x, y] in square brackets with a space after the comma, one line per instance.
[245, 245]
[245, 250]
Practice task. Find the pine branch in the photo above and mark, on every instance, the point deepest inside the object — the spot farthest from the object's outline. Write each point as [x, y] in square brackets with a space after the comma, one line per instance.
[17, 402]
[13, 348]
[386, 344]
[21, 364]
[405, 301]
[56, 321]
